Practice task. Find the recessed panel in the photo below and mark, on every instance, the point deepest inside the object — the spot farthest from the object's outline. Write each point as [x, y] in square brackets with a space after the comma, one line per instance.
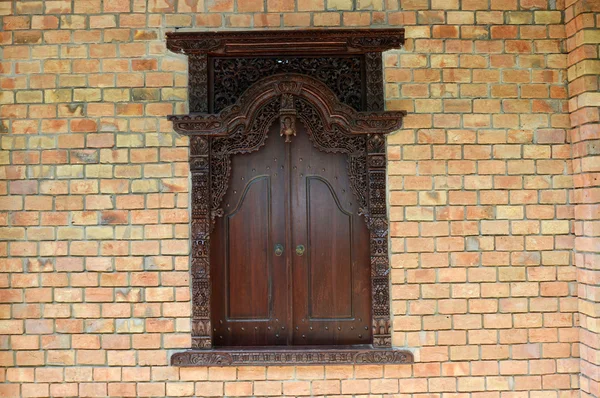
[330, 253]
[248, 257]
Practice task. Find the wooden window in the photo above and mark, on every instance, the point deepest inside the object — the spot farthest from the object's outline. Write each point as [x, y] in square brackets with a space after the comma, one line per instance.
[289, 228]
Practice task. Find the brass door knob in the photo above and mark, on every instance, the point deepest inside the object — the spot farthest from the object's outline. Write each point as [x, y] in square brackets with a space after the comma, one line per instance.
[300, 250]
[278, 249]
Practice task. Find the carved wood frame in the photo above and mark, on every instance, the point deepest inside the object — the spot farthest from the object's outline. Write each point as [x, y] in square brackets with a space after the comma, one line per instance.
[242, 128]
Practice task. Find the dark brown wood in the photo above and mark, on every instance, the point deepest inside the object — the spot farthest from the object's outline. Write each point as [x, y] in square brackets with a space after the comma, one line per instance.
[333, 113]
[332, 128]
[331, 279]
[279, 104]
[200, 262]
[198, 83]
[249, 281]
[229, 77]
[292, 356]
[294, 42]
[222, 65]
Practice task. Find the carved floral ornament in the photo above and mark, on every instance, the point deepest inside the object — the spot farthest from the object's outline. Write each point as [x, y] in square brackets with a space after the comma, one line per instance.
[306, 96]
[286, 87]
[291, 357]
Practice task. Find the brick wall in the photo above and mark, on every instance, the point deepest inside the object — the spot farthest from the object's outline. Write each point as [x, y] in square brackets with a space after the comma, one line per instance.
[94, 188]
[583, 38]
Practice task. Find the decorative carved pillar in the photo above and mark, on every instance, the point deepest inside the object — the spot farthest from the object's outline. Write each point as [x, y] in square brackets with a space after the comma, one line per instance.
[200, 169]
[377, 162]
[374, 82]
[380, 266]
[198, 84]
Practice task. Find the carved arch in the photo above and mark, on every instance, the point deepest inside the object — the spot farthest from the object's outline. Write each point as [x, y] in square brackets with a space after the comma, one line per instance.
[332, 127]
[242, 114]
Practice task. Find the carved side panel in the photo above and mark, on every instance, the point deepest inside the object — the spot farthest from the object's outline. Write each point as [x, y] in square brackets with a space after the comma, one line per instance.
[380, 266]
[374, 82]
[199, 167]
[198, 84]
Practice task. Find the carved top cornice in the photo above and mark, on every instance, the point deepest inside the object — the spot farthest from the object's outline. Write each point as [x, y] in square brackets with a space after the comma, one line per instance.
[286, 42]
[332, 112]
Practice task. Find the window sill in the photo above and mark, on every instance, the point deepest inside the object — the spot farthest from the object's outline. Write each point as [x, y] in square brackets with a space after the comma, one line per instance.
[307, 355]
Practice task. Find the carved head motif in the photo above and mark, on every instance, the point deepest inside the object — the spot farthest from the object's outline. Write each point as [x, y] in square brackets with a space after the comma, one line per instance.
[288, 127]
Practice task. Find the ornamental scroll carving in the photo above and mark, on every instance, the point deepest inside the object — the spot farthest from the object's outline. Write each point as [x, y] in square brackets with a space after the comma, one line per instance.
[283, 357]
[334, 81]
[232, 76]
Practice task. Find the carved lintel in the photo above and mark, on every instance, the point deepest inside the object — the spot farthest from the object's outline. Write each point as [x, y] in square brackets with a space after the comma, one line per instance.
[291, 357]
[334, 114]
[296, 42]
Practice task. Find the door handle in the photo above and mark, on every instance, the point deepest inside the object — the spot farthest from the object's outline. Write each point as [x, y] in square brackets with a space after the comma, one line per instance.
[300, 250]
[278, 249]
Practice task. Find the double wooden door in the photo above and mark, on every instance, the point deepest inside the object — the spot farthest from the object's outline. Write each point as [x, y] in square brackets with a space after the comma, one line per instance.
[290, 257]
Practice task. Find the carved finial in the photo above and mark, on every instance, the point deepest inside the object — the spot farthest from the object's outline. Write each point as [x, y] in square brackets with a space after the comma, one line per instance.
[287, 117]
[288, 127]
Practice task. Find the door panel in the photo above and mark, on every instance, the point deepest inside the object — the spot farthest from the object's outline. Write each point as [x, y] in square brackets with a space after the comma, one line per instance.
[250, 282]
[331, 280]
[296, 197]
[329, 252]
[249, 297]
